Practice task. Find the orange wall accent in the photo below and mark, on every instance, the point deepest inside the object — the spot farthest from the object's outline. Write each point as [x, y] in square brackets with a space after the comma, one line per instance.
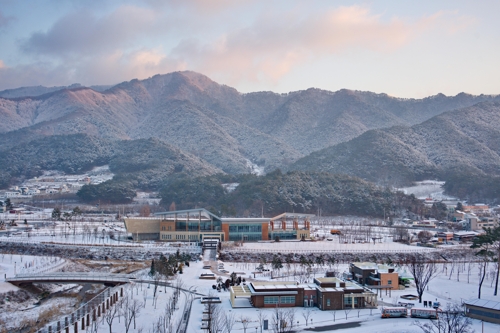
[272, 225]
[295, 225]
[283, 225]
[225, 229]
[265, 231]
[394, 277]
[167, 224]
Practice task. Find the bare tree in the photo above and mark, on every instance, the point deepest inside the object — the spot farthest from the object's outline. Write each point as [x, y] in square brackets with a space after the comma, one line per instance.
[423, 271]
[229, 322]
[145, 211]
[160, 325]
[347, 310]
[214, 318]
[470, 267]
[333, 313]
[110, 315]
[282, 320]
[245, 321]
[451, 320]
[452, 269]
[424, 236]
[130, 310]
[145, 296]
[261, 316]
[306, 314]
[401, 234]
[290, 318]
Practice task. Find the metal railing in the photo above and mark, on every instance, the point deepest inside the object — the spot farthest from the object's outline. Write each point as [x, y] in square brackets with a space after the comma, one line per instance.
[117, 278]
[86, 313]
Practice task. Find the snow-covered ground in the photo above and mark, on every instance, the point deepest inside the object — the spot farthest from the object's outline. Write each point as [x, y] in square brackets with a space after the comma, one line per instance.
[329, 246]
[428, 189]
[444, 289]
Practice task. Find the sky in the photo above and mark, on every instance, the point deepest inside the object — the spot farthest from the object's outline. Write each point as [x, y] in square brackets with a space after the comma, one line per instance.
[409, 49]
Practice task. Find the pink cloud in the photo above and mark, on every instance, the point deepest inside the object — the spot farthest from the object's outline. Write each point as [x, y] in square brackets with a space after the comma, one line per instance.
[272, 46]
[111, 48]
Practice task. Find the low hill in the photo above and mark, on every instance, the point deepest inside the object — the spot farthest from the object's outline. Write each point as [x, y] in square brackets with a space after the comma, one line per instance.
[465, 141]
[144, 163]
[277, 192]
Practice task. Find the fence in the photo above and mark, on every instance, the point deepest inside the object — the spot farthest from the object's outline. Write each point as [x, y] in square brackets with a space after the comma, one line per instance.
[86, 314]
[69, 277]
[58, 264]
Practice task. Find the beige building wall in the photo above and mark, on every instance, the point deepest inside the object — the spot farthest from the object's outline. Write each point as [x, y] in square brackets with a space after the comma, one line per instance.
[143, 228]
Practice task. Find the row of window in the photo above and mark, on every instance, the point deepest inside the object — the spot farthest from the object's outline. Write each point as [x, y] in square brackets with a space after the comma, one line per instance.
[245, 228]
[482, 313]
[348, 300]
[237, 236]
[282, 299]
[283, 235]
[195, 226]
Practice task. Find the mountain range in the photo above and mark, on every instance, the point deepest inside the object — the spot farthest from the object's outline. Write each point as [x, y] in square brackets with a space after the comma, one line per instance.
[460, 141]
[199, 126]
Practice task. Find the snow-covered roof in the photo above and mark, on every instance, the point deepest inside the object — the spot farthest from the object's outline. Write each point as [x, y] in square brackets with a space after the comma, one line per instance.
[466, 233]
[483, 303]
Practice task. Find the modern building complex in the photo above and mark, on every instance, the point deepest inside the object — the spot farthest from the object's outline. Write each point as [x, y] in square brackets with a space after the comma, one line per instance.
[194, 225]
[325, 293]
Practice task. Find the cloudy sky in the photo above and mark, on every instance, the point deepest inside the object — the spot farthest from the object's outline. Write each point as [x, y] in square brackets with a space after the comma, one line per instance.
[402, 48]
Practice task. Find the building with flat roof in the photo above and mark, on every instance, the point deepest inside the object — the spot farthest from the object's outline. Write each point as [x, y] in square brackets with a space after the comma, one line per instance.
[375, 275]
[327, 293]
[483, 310]
[195, 225]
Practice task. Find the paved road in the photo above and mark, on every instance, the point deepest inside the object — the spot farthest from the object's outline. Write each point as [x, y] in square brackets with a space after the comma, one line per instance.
[334, 327]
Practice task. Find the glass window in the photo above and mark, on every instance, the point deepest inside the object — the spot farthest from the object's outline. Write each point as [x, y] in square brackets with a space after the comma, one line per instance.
[327, 302]
[287, 300]
[270, 299]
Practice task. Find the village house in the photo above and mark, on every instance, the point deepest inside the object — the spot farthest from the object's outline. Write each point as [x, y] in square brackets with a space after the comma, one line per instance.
[477, 209]
[479, 223]
[373, 274]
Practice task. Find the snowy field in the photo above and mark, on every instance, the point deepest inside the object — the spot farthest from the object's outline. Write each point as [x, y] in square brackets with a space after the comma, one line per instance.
[445, 288]
[453, 285]
[427, 189]
[330, 246]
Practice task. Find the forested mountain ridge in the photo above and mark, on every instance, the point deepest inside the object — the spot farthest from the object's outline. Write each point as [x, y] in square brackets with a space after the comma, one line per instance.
[295, 191]
[214, 122]
[34, 91]
[465, 141]
[141, 163]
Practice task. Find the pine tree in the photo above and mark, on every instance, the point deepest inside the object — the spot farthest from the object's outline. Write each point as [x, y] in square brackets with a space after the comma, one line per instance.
[152, 270]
